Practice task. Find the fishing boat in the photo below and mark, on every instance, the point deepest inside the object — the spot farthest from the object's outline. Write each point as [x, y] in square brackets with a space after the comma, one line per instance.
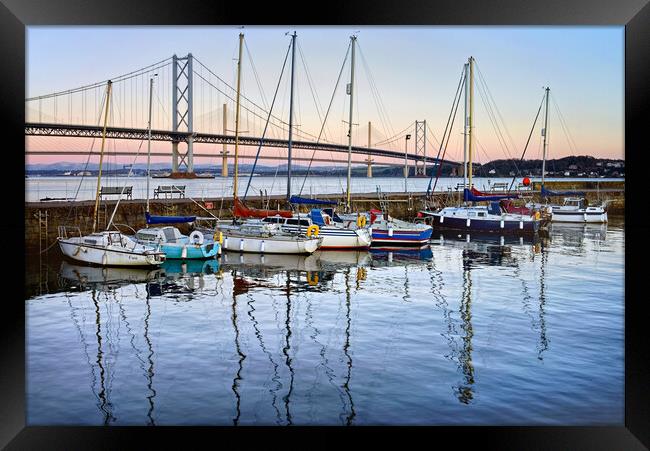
[106, 248]
[480, 218]
[169, 239]
[254, 235]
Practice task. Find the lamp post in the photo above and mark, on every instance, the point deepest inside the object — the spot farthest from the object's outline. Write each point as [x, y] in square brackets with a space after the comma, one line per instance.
[406, 167]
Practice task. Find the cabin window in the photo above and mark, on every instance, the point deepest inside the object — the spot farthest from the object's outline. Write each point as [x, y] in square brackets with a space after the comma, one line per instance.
[89, 241]
[481, 214]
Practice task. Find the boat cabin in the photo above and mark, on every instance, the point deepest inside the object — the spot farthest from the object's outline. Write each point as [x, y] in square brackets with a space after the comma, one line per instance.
[574, 203]
[156, 235]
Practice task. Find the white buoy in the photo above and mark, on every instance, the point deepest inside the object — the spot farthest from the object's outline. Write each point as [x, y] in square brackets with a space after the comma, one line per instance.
[241, 244]
[390, 231]
[184, 252]
[521, 224]
[502, 224]
[442, 219]
[469, 221]
[262, 247]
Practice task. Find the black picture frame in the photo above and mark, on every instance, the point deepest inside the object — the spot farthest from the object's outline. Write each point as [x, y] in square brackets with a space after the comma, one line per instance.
[633, 14]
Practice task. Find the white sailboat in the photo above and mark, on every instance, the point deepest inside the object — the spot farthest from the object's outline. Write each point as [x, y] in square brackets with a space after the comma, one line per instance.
[573, 208]
[256, 236]
[106, 248]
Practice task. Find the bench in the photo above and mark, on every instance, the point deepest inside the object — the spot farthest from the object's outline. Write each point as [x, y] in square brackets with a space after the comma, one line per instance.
[116, 190]
[460, 186]
[522, 187]
[499, 186]
[169, 190]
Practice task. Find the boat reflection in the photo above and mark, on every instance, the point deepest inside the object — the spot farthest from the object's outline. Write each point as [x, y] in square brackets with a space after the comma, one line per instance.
[386, 256]
[574, 235]
[103, 278]
[180, 279]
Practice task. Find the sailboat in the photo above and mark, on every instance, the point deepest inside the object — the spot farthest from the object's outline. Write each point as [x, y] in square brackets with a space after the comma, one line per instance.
[349, 233]
[169, 239]
[574, 208]
[479, 218]
[106, 248]
[256, 236]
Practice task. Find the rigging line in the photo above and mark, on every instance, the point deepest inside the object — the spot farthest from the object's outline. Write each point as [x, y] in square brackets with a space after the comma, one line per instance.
[448, 138]
[259, 148]
[311, 88]
[461, 83]
[338, 79]
[101, 83]
[90, 152]
[374, 94]
[528, 140]
[496, 127]
[564, 125]
[496, 106]
[373, 84]
[257, 79]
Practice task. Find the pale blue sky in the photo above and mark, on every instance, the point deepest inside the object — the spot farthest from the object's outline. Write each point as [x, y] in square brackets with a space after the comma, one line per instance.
[416, 70]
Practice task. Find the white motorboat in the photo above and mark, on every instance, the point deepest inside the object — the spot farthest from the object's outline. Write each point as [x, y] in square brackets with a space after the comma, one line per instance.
[574, 210]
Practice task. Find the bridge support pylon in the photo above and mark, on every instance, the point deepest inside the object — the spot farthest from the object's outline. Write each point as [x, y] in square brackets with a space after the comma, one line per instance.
[421, 147]
[182, 115]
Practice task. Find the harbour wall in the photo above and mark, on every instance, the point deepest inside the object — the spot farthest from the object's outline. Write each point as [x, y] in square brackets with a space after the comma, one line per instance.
[42, 219]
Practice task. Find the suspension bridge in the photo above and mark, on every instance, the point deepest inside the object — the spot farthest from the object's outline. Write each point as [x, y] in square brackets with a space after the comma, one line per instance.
[192, 109]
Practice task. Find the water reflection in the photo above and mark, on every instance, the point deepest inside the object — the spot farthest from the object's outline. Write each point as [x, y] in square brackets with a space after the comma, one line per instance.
[313, 330]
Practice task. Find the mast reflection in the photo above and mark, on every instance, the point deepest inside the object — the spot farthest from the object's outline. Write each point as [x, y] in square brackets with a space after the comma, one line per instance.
[242, 356]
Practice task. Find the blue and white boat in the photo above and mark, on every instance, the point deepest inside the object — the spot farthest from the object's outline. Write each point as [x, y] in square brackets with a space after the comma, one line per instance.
[387, 231]
[175, 245]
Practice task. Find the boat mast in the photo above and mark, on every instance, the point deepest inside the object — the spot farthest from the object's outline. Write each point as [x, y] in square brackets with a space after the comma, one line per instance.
[236, 178]
[149, 141]
[466, 126]
[101, 156]
[293, 64]
[544, 134]
[347, 203]
[471, 117]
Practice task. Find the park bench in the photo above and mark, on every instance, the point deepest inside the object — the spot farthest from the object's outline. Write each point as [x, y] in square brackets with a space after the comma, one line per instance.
[522, 187]
[169, 190]
[460, 186]
[116, 190]
[499, 186]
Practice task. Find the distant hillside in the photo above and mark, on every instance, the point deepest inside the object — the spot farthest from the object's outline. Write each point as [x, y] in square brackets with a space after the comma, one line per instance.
[571, 166]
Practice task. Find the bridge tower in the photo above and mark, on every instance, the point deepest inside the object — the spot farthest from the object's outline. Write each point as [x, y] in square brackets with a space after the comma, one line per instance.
[182, 113]
[421, 147]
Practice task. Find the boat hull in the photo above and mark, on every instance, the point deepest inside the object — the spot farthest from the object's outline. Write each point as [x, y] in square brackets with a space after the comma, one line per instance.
[579, 216]
[400, 237]
[268, 245]
[179, 251]
[107, 256]
[509, 226]
[338, 237]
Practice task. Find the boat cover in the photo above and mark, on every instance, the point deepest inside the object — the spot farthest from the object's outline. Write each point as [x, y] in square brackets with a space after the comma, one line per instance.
[317, 217]
[242, 211]
[477, 196]
[168, 219]
[305, 200]
[549, 193]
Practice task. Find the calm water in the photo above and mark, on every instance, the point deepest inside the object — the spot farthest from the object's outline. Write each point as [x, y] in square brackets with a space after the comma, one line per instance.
[460, 333]
[66, 187]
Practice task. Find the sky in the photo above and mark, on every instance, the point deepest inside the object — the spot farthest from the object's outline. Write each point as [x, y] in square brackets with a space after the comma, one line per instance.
[402, 74]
